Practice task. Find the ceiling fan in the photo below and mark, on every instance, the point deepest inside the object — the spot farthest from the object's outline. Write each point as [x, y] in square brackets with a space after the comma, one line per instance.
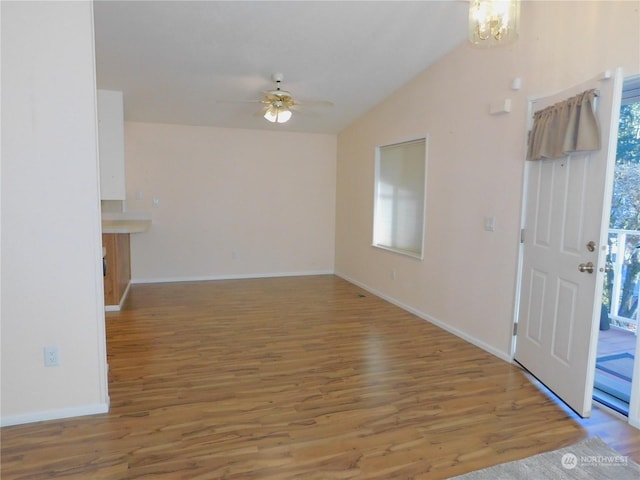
[279, 104]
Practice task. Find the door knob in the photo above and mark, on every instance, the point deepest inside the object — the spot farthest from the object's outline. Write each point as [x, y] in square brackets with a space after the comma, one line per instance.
[591, 246]
[586, 267]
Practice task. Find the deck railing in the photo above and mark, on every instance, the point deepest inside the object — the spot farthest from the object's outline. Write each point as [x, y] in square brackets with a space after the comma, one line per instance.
[623, 278]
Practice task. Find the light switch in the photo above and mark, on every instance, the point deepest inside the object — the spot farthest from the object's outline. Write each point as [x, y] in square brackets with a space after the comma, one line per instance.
[500, 106]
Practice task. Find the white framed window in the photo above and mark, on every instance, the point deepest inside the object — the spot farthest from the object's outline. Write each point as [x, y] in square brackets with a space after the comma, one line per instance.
[400, 197]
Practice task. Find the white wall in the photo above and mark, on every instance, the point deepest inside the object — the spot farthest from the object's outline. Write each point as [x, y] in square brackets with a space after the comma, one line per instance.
[232, 203]
[51, 248]
[467, 280]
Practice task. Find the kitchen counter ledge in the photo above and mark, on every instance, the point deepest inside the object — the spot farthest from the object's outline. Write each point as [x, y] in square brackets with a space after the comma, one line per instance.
[126, 222]
[125, 226]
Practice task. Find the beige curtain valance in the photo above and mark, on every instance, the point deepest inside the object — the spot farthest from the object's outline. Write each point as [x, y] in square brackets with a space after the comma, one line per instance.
[564, 128]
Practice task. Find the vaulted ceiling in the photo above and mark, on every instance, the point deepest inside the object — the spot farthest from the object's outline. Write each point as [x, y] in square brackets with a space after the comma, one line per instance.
[188, 62]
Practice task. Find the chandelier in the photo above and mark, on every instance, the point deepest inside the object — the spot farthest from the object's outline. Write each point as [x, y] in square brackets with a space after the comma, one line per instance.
[493, 22]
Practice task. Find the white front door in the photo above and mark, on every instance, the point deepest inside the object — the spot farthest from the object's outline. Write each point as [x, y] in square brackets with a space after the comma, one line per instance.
[566, 216]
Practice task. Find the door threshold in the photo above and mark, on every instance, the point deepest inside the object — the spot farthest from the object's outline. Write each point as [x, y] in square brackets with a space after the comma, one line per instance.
[611, 403]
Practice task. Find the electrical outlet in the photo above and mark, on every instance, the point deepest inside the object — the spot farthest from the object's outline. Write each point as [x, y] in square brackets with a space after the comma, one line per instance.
[490, 224]
[51, 356]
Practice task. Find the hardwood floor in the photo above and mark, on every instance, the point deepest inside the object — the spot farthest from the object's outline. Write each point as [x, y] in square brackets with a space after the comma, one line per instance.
[296, 378]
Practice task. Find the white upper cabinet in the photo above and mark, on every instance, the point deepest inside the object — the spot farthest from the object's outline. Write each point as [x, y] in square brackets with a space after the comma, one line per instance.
[111, 145]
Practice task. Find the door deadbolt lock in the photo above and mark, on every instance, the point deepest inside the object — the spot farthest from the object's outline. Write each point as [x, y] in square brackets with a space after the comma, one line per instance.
[586, 267]
[591, 246]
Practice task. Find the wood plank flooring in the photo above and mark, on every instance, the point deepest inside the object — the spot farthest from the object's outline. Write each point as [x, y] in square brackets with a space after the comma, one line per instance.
[295, 378]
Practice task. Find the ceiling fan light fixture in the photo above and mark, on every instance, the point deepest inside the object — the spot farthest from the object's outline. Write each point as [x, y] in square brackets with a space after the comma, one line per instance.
[493, 22]
[277, 114]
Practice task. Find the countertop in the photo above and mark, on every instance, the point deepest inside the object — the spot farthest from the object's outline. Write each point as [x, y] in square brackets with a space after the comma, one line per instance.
[125, 222]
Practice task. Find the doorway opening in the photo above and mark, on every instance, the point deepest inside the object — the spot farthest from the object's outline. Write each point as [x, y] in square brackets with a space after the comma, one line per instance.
[617, 338]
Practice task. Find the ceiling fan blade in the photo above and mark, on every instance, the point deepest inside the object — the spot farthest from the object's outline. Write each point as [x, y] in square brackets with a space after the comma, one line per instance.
[314, 103]
[305, 113]
[241, 101]
[261, 112]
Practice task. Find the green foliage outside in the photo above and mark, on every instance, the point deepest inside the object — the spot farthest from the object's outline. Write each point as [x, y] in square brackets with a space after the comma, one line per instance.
[625, 210]
[628, 134]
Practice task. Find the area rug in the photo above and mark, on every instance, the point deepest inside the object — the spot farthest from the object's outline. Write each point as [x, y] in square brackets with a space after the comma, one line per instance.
[591, 459]
[620, 365]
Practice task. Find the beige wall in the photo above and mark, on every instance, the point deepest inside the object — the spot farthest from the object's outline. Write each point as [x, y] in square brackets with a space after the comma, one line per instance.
[467, 279]
[225, 191]
[232, 203]
[51, 248]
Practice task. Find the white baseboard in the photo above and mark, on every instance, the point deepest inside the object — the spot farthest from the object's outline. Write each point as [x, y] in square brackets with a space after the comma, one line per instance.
[117, 308]
[458, 333]
[54, 414]
[239, 276]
